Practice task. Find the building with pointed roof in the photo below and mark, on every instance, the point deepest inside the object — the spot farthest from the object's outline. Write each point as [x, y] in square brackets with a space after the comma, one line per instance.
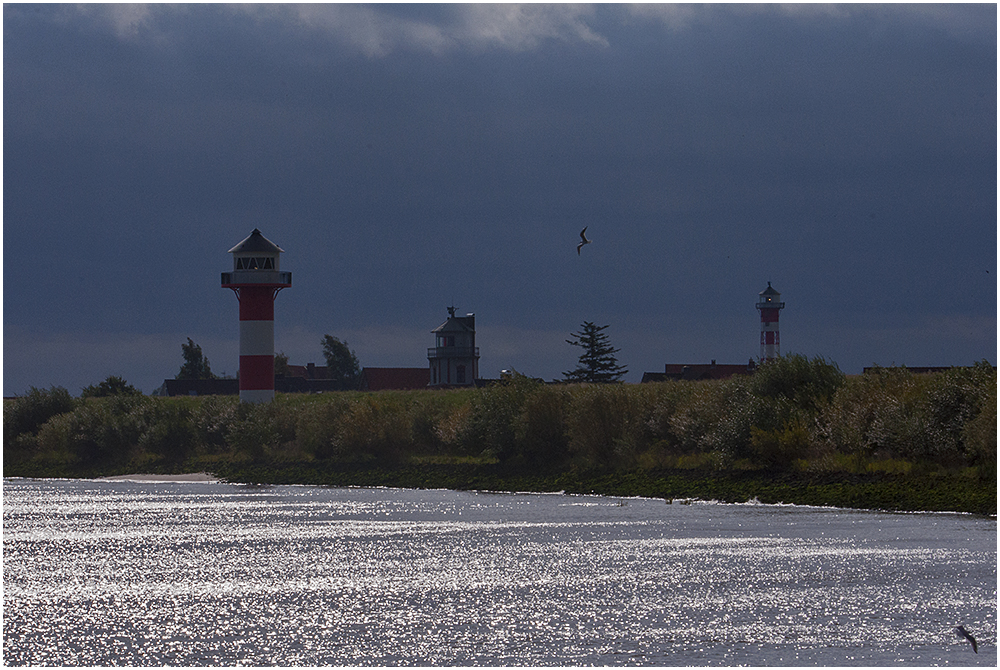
[256, 279]
[769, 304]
[454, 361]
[255, 242]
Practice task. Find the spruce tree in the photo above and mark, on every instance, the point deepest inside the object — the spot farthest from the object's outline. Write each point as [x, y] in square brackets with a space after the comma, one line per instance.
[597, 362]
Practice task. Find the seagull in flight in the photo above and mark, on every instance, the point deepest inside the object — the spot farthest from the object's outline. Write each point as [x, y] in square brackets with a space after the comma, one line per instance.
[583, 237]
[961, 632]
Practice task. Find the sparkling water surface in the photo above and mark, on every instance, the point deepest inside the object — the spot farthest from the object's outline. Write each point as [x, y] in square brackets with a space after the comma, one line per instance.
[138, 573]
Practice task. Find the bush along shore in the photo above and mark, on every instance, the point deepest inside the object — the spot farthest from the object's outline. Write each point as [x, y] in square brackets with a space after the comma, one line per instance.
[797, 431]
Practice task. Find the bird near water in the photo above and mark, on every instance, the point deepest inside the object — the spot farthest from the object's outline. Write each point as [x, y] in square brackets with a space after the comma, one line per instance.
[961, 632]
[583, 236]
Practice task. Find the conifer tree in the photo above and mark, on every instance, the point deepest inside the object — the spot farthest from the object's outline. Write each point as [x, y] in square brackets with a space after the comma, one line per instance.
[597, 362]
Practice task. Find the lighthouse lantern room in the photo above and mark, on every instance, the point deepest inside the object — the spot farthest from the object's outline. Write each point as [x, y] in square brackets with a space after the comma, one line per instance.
[769, 303]
[256, 279]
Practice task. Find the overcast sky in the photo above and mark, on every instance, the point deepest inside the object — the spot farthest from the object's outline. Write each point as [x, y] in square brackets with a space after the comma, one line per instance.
[412, 157]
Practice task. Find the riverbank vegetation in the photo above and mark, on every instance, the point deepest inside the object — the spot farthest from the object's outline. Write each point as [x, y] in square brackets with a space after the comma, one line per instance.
[796, 431]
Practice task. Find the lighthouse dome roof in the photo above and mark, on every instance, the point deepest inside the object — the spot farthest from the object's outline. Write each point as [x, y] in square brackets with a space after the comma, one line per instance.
[256, 243]
[457, 324]
[769, 290]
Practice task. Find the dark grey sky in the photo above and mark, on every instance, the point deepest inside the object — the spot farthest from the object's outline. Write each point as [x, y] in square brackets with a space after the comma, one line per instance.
[410, 157]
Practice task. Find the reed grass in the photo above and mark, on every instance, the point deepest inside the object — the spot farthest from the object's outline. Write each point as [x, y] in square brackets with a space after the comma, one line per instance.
[795, 417]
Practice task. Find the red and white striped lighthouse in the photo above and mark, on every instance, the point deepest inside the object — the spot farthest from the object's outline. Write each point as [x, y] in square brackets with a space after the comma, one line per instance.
[256, 279]
[769, 302]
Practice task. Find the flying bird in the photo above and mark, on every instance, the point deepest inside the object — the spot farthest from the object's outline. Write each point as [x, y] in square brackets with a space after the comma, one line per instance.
[961, 632]
[583, 237]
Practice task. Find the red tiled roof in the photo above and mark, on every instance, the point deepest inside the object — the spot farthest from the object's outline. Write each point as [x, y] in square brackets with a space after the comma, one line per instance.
[384, 379]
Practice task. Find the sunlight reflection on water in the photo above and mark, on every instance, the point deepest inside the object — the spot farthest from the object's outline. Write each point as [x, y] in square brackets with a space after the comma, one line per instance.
[112, 573]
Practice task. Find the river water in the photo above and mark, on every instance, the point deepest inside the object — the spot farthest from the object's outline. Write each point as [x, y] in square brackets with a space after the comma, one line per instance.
[138, 573]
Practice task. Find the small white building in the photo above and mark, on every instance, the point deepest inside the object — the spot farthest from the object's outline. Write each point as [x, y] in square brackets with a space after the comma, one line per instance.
[454, 360]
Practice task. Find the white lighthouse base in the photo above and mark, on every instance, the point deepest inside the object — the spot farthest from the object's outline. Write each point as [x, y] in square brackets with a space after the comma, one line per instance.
[258, 395]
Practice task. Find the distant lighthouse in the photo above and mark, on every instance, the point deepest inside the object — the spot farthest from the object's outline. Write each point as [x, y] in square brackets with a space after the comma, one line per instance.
[455, 359]
[256, 279]
[769, 303]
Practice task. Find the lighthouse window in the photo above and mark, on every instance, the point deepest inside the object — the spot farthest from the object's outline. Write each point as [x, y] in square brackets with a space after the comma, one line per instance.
[260, 263]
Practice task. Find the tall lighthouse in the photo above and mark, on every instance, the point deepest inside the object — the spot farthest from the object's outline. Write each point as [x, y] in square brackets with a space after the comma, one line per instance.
[256, 279]
[769, 303]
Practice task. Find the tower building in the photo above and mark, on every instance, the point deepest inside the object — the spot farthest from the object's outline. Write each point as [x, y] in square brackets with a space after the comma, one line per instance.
[256, 279]
[769, 303]
[455, 359]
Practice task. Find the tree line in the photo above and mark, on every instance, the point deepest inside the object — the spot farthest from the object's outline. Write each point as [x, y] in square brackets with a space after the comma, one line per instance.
[341, 363]
[597, 362]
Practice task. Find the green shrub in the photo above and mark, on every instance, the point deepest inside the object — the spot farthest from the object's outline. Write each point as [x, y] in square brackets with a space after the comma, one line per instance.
[980, 438]
[792, 413]
[54, 442]
[892, 413]
[377, 425]
[745, 416]
[172, 431]
[111, 386]
[452, 428]
[737, 412]
[606, 425]
[25, 415]
[692, 423]
[807, 384]
[667, 399]
[213, 419]
[254, 430]
[317, 426]
[953, 400]
[877, 415]
[109, 429]
[430, 411]
[541, 434]
[780, 448]
[494, 413]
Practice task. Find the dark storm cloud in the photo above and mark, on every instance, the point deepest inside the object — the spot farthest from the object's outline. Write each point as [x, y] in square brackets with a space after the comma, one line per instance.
[414, 155]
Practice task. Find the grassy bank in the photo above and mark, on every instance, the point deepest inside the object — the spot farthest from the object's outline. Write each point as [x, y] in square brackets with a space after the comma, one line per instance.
[798, 431]
[938, 492]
